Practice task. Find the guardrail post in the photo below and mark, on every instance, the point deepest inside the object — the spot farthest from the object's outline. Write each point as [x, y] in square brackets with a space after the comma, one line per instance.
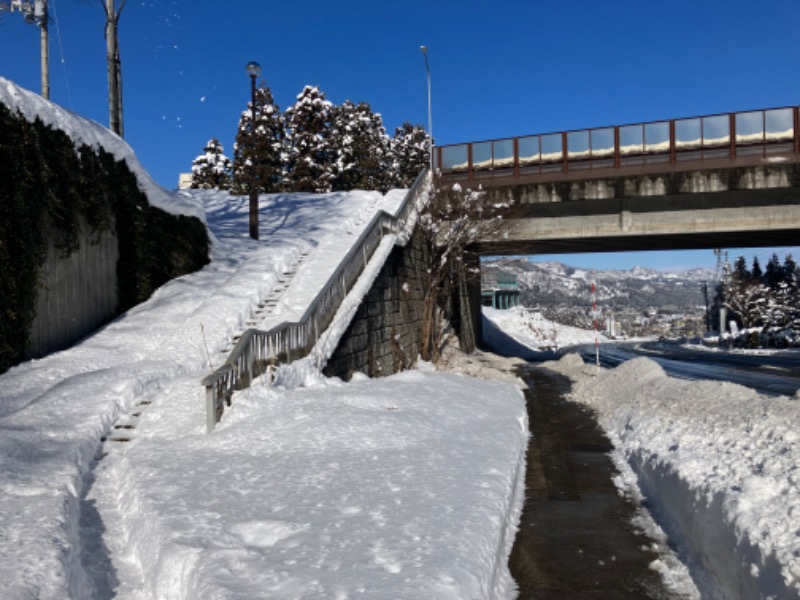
[211, 408]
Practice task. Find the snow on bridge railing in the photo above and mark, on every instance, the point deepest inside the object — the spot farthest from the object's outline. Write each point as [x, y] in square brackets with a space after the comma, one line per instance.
[750, 136]
[257, 350]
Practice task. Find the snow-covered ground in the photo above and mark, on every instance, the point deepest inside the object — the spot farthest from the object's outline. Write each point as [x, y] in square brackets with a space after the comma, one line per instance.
[378, 489]
[404, 487]
[530, 333]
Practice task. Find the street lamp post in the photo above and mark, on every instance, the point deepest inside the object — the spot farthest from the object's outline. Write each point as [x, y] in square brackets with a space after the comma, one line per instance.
[424, 50]
[254, 70]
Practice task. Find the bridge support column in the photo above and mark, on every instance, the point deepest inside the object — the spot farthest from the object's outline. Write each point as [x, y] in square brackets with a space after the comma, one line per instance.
[468, 300]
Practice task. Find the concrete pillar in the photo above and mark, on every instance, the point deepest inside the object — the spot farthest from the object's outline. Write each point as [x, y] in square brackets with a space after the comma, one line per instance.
[469, 301]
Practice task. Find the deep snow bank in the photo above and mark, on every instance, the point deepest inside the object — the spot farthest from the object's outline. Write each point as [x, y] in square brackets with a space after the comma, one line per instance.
[402, 487]
[88, 132]
[719, 464]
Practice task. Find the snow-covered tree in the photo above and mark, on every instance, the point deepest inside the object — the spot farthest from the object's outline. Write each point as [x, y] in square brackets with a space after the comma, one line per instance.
[411, 152]
[769, 301]
[361, 147]
[212, 169]
[259, 153]
[746, 299]
[448, 227]
[310, 155]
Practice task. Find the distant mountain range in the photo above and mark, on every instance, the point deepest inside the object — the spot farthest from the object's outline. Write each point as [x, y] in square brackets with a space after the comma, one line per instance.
[553, 284]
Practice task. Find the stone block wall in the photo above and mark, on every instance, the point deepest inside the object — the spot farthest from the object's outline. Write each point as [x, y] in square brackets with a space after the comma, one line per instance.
[384, 336]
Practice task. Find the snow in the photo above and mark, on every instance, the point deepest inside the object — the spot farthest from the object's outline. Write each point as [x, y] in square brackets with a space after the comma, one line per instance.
[396, 486]
[404, 487]
[94, 135]
[532, 332]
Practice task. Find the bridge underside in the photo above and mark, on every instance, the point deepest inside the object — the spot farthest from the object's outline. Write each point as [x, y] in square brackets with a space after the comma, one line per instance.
[599, 216]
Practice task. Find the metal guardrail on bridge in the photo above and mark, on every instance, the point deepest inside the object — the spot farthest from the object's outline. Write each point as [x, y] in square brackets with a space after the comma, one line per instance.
[743, 137]
[256, 350]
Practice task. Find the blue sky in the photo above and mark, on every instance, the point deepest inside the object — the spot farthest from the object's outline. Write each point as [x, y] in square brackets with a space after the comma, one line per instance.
[497, 69]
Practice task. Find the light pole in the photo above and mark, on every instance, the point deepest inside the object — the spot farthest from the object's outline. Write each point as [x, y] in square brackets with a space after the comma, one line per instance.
[424, 50]
[254, 70]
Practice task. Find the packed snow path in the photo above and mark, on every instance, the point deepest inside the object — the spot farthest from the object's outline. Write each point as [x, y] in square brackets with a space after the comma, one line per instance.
[401, 487]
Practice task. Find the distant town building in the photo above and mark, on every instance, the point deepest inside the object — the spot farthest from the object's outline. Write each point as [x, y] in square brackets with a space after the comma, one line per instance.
[184, 181]
[499, 290]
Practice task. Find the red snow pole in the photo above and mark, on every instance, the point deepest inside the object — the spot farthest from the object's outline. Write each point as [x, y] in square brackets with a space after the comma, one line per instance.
[594, 318]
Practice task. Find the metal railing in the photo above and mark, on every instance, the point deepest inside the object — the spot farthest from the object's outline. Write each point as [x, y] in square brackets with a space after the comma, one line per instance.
[745, 137]
[257, 350]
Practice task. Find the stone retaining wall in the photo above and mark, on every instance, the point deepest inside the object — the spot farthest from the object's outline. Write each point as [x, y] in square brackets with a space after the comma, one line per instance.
[384, 336]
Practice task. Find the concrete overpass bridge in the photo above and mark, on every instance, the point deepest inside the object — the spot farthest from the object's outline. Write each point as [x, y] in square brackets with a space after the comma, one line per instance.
[701, 182]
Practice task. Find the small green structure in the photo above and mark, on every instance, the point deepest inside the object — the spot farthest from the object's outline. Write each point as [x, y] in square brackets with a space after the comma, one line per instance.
[499, 290]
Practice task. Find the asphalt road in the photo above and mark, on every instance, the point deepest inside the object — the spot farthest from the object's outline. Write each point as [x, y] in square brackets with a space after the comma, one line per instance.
[772, 374]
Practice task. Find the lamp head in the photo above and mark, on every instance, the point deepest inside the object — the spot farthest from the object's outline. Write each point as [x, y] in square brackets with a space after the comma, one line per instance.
[253, 69]
[424, 49]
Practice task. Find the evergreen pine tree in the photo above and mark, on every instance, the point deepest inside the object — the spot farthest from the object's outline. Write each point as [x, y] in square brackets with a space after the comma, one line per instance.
[362, 149]
[756, 271]
[740, 270]
[259, 152]
[310, 155]
[411, 152]
[212, 169]
[790, 272]
[773, 273]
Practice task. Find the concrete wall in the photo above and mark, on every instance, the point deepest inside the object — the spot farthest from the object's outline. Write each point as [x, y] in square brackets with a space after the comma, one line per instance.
[77, 294]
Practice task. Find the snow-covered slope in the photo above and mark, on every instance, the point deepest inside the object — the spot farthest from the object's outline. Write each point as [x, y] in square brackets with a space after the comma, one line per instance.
[85, 131]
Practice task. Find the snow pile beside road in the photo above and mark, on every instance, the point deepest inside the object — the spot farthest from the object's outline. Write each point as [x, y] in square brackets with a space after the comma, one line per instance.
[88, 132]
[720, 465]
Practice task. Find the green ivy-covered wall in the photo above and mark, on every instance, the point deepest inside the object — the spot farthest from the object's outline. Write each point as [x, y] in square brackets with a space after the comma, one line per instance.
[52, 191]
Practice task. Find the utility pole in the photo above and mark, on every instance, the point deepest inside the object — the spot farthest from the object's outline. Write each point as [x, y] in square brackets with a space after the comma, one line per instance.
[114, 65]
[723, 311]
[41, 16]
[35, 13]
[704, 288]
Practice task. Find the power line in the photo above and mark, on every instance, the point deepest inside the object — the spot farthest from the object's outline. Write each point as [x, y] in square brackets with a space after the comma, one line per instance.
[63, 58]
[764, 255]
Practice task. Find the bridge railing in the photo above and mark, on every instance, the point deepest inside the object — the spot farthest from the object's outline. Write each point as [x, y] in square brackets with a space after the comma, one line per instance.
[257, 350]
[749, 136]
